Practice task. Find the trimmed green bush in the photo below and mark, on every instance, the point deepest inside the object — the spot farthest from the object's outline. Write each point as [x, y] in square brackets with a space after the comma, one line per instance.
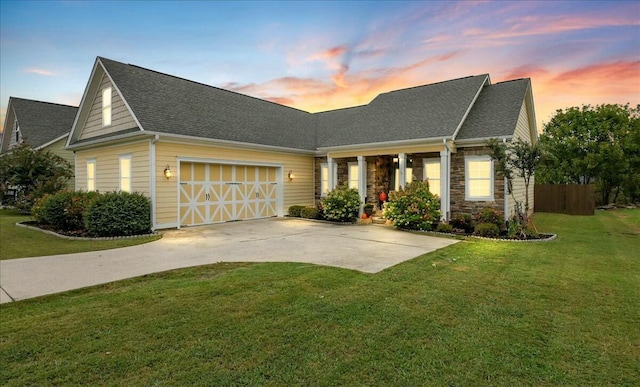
[486, 230]
[413, 208]
[444, 227]
[309, 213]
[64, 211]
[295, 211]
[119, 214]
[462, 222]
[342, 204]
[490, 215]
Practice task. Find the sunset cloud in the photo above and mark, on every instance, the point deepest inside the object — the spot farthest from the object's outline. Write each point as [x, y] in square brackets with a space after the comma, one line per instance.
[43, 72]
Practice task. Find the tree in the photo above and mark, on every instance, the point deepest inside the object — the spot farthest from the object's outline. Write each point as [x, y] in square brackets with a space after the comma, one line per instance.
[33, 173]
[516, 159]
[593, 145]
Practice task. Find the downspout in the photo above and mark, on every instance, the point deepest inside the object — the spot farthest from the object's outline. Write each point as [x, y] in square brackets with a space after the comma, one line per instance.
[445, 205]
[507, 191]
[152, 178]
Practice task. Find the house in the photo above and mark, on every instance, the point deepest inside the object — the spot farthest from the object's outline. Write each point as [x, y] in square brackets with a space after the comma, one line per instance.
[205, 155]
[41, 125]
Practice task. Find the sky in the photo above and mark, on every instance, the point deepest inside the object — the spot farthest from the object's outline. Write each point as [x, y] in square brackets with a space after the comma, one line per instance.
[318, 56]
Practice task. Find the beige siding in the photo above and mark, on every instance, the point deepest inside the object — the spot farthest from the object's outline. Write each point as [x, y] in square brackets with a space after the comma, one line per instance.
[108, 168]
[299, 191]
[121, 119]
[57, 148]
[523, 133]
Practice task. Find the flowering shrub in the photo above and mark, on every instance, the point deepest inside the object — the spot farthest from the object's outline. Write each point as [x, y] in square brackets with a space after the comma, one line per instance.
[342, 204]
[64, 210]
[462, 222]
[413, 208]
[490, 215]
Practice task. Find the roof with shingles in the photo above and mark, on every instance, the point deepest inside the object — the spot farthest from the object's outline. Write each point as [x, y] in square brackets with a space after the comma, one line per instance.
[495, 113]
[165, 103]
[168, 104]
[42, 122]
[423, 112]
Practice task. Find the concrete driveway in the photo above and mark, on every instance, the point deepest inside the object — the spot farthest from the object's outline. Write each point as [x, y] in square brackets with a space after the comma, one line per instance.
[368, 249]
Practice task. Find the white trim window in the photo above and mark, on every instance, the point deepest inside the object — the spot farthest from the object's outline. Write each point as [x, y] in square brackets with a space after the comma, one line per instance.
[106, 107]
[478, 176]
[91, 175]
[324, 179]
[125, 173]
[353, 175]
[431, 172]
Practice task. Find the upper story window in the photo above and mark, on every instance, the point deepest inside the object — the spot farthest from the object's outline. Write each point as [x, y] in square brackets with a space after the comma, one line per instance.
[431, 171]
[478, 178]
[91, 175]
[106, 107]
[125, 173]
[353, 175]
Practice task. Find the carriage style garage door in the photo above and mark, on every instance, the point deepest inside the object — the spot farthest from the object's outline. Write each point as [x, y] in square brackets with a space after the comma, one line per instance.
[212, 193]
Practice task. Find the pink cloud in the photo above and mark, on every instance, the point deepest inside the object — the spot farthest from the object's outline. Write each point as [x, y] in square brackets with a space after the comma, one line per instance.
[38, 71]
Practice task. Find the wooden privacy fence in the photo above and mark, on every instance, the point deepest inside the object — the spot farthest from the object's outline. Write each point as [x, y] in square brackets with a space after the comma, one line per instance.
[572, 199]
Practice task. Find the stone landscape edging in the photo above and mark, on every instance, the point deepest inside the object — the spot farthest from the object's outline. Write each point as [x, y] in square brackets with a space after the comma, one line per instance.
[22, 224]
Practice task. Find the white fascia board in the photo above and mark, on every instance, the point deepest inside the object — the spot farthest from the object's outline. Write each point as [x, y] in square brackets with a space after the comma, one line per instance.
[82, 101]
[53, 141]
[115, 138]
[385, 144]
[192, 140]
[123, 98]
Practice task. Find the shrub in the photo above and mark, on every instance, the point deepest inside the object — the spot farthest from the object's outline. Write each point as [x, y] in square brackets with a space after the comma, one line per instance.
[490, 215]
[342, 204]
[444, 227]
[413, 208]
[309, 213]
[64, 211]
[487, 230]
[295, 211]
[119, 214]
[462, 222]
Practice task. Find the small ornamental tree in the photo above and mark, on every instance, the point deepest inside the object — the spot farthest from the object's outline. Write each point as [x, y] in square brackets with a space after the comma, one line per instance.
[516, 159]
[33, 173]
[414, 207]
[342, 204]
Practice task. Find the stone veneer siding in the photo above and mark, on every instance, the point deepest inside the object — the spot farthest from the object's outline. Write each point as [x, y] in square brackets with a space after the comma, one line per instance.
[458, 203]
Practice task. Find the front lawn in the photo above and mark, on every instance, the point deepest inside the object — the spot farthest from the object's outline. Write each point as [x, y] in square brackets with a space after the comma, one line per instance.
[479, 312]
[20, 242]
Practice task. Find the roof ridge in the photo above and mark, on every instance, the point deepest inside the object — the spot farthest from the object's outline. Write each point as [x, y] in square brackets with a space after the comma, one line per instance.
[204, 84]
[434, 83]
[49, 103]
[513, 80]
[343, 108]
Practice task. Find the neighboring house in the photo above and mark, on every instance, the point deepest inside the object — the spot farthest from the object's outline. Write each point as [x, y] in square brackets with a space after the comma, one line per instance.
[41, 125]
[205, 155]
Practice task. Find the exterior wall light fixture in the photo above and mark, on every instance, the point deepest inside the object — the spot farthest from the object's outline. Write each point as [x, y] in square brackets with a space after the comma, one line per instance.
[290, 175]
[167, 172]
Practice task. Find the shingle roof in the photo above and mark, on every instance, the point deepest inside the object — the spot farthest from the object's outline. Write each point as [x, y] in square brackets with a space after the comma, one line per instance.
[496, 111]
[42, 122]
[429, 111]
[168, 104]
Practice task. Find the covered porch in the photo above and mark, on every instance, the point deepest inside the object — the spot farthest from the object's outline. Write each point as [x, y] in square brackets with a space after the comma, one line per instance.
[375, 171]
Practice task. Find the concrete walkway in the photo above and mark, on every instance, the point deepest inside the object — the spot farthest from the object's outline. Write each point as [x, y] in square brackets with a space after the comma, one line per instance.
[368, 249]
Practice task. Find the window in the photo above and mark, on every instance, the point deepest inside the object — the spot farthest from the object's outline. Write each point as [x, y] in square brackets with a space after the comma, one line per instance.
[125, 173]
[15, 125]
[408, 176]
[106, 107]
[431, 168]
[353, 175]
[91, 175]
[324, 179]
[478, 178]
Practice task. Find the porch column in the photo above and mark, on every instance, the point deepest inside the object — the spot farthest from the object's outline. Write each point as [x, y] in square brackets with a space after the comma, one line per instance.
[445, 179]
[362, 179]
[402, 169]
[331, 171]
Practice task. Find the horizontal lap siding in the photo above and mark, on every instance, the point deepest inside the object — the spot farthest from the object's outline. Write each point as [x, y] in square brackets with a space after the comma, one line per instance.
[120, 117]
[108, 167]
[299, 191]
[57, 148]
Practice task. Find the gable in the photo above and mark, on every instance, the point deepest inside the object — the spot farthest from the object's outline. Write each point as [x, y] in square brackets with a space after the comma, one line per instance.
[121, 119]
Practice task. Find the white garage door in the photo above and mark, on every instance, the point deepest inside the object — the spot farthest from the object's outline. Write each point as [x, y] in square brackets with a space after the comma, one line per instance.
[212, 193]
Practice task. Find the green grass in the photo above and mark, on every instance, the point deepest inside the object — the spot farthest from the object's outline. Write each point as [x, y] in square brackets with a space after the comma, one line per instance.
[477, 313]
[20, 242]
